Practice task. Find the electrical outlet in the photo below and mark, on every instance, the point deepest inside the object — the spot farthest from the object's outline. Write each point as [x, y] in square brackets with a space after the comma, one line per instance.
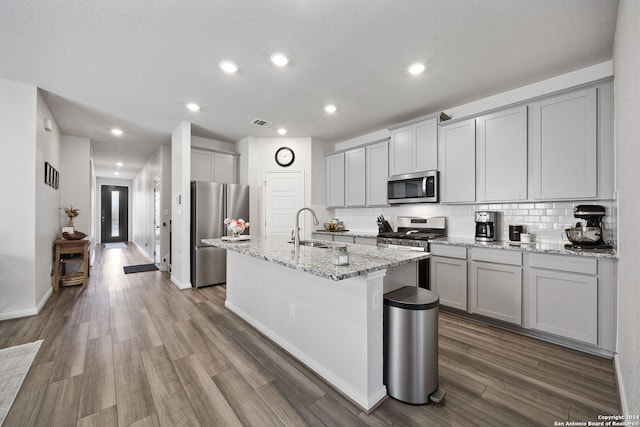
[292, 312]
[375, 300]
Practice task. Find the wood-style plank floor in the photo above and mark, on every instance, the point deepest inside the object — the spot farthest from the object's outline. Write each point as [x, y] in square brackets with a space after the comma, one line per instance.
[132, 350]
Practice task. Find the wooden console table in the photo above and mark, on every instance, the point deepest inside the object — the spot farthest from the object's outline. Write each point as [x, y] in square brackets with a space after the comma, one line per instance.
[79, 251]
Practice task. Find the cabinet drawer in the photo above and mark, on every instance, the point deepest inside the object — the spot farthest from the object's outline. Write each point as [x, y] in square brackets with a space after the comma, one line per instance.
[498, 256]
[343, 239]
[370, 241]
[569, 263]
[449, 251]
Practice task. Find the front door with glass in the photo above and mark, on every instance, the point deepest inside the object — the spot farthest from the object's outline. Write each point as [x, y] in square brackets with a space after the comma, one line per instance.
[114, 222]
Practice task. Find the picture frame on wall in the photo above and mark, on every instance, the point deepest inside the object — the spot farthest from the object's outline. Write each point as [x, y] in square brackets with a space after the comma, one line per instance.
[51, 176]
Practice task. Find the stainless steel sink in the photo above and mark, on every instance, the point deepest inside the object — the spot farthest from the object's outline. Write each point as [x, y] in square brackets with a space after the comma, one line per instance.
[314, 244]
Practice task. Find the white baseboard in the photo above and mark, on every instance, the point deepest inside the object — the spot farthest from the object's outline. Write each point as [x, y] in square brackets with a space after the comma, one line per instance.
[30, 311]
[44, 299]
[179, 284]
[19, 313]
[365, 402]
[621, 389]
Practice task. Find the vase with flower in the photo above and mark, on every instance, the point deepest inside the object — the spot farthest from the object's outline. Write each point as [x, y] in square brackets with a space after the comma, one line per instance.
[236, 226]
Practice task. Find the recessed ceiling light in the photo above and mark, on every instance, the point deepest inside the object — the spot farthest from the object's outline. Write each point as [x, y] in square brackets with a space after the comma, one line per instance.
[116, 131]
[228, 67]
[119, 164]
[330, 108]
[279, 59]
[116, 173]
[282, 131]
[416, 68]
[193, 107]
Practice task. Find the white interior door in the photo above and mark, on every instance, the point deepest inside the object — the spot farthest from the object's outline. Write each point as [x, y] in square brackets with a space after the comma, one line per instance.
[283, 195]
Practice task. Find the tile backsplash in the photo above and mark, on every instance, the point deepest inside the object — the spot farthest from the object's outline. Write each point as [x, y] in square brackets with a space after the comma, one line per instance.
[544, 221]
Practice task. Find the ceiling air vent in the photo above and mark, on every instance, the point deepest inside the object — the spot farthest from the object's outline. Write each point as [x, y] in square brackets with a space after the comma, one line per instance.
[261, 123]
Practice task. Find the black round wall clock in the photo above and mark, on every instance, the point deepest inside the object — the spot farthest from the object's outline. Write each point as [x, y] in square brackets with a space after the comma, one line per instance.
[285, 156]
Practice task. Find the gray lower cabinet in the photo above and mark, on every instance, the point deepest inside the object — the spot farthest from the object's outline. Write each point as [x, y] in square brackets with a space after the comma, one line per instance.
[495, 290]
[448, 275]
[563, 296]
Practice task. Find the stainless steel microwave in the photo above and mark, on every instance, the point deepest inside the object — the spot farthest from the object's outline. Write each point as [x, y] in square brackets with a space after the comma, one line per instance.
[421, 187]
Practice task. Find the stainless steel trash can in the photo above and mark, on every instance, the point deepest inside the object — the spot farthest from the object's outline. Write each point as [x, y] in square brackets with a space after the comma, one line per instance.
[411, 345]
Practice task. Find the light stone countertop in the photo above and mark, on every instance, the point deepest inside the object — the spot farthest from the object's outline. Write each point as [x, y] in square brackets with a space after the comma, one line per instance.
[550, 248]
[363, 259]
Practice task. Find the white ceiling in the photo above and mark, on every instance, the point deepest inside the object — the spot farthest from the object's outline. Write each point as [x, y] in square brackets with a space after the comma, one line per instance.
[135, 63]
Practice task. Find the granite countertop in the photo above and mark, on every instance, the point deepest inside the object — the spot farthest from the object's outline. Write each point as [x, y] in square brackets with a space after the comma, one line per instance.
[363, 259]
[352, 233]
[551, 248]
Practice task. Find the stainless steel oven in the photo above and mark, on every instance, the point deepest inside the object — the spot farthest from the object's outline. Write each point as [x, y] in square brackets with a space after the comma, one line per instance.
[414, 234]
[421, 187]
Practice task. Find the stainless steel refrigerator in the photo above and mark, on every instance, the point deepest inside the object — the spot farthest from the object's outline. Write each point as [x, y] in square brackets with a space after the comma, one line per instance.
[211, 203]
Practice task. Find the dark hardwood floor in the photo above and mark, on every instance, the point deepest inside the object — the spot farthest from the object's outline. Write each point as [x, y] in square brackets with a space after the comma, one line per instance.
[134, 350]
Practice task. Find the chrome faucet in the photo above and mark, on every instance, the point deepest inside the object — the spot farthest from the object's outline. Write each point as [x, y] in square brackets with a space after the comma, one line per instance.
[295, 234]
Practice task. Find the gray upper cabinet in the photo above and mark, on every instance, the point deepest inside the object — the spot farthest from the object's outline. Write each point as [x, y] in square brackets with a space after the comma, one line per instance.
[213, 166]
[355, 177]
[564, 149]
[414, 148]
[457, 160]
[334, 180]
[377, 156]
[502, 155]
[224, 169]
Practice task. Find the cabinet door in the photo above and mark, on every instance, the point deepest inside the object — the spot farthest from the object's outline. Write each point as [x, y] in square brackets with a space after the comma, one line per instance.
[502, 155]
[457, 160]
[334, 178]
[201, 165]
[426, 146]
[496, 291]
[449, 280]
[224, 168]
[355, 177]
[564, 304]
[377, 172]
[564, 146]
[401, 151]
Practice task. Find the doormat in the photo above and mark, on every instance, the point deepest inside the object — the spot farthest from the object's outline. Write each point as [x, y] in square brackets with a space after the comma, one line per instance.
[139, 268]
[14, 365]
[119, 245]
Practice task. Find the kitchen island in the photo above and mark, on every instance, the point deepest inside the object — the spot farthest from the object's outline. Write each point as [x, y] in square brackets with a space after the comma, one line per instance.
[328, 317]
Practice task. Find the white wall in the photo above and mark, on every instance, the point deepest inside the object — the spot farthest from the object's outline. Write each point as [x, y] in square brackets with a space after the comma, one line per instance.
[143, 209]
[98, 201]
[47, 221]
[180, 205]
[29, 219]
[212, 144]
[165, 190]
[259, 154]
[17, 181]
[626, 62]
[75, 181]
[545, 87]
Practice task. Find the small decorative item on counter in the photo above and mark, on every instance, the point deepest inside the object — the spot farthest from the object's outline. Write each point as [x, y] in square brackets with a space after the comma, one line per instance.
[340, 255]
[236, 226]
[71, 212]
[525, 238]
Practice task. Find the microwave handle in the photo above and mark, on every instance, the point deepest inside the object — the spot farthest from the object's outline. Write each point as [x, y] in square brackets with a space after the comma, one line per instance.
[424, 186]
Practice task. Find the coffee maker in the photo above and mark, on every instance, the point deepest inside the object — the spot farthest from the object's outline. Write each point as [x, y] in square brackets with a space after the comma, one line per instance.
[486, 226]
